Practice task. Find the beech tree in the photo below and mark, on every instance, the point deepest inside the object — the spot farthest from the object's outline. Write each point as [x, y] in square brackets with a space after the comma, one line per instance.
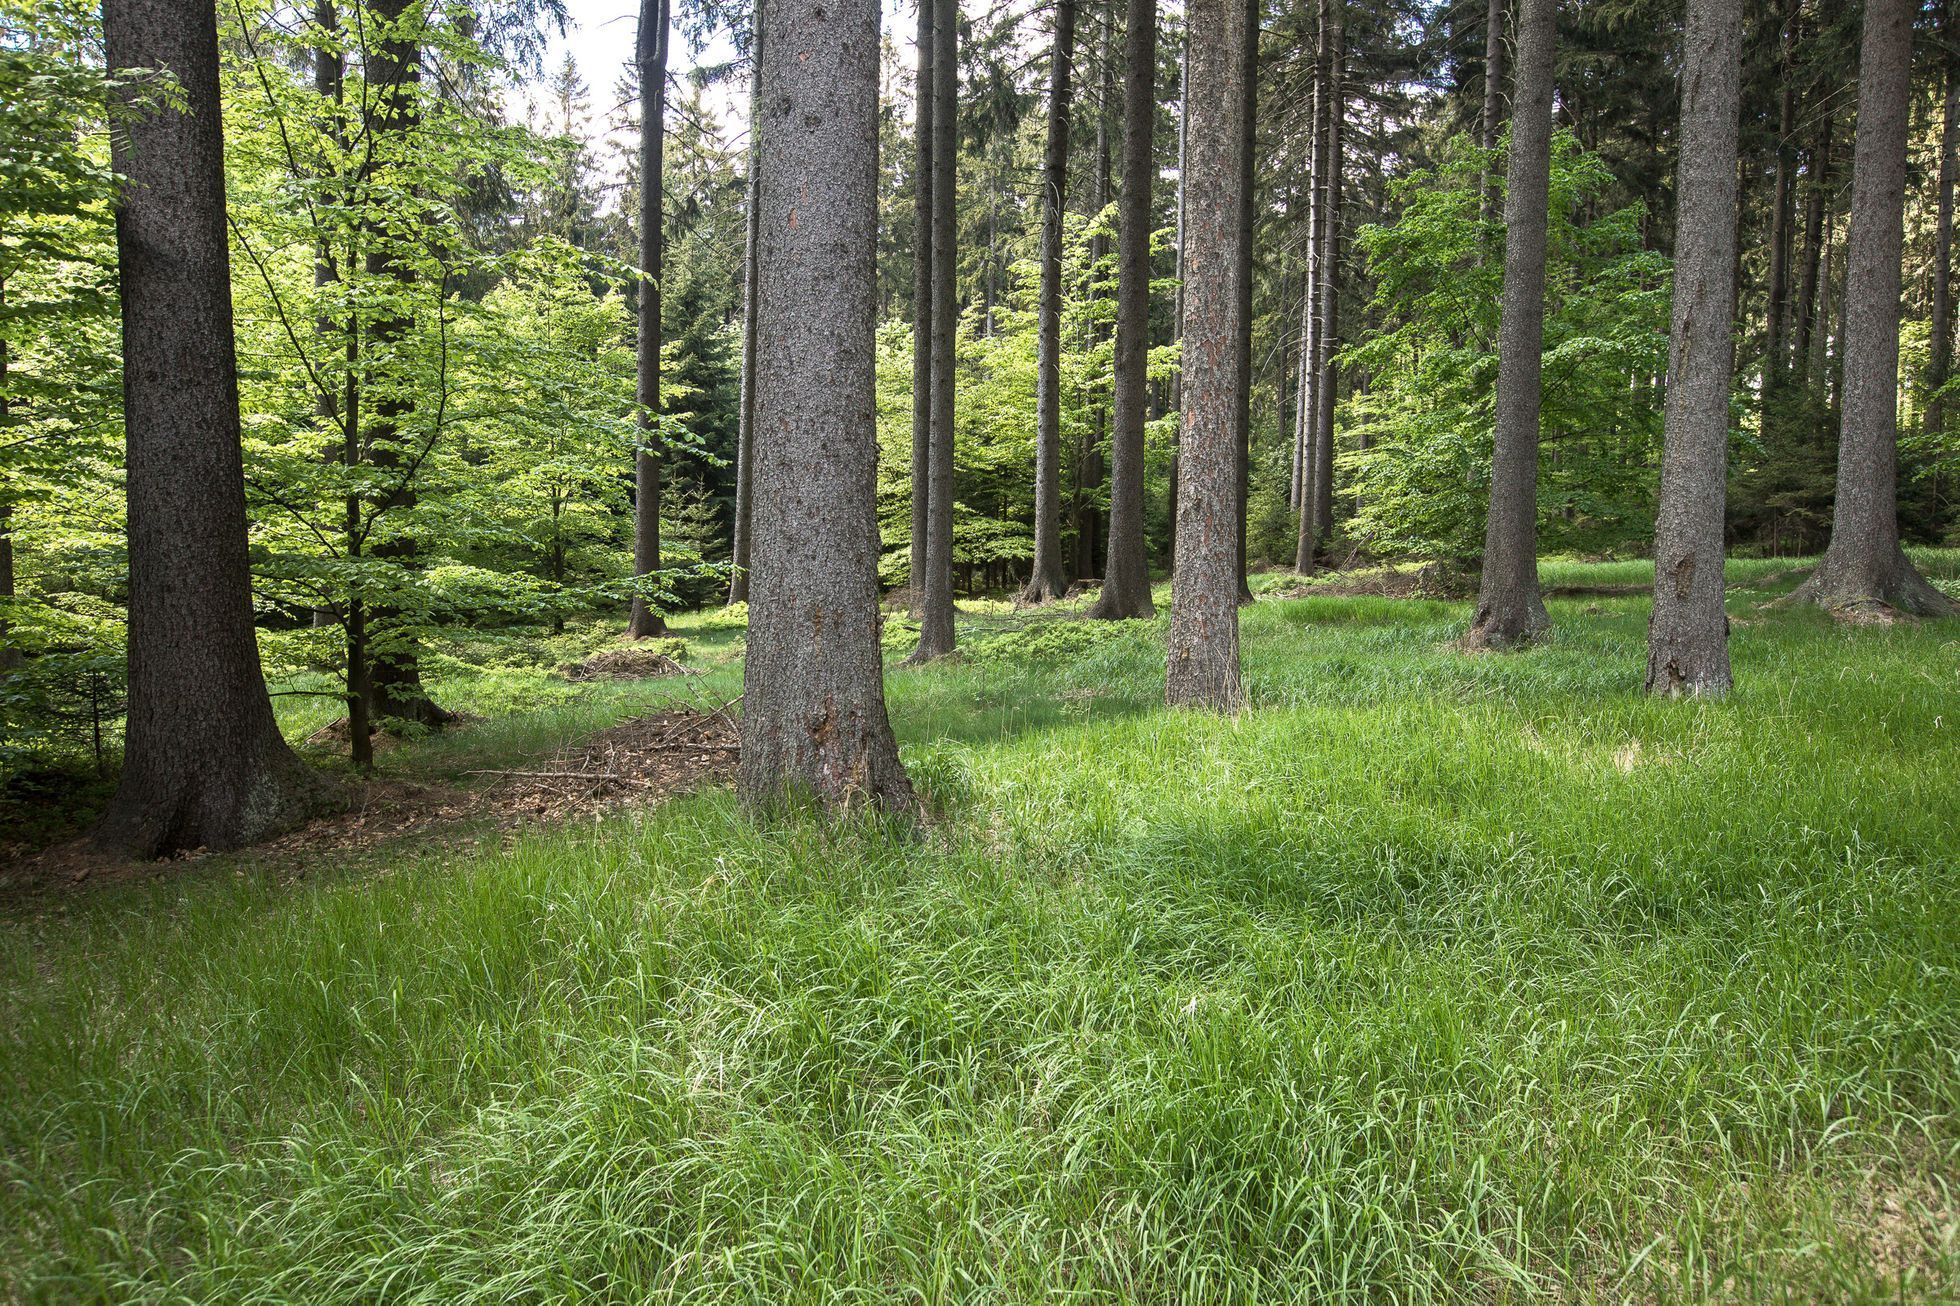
[204, 764]
[1864, 572]
[1688, 634]
[813, 716]
[650, 56]
[1126, 575]
[1047, 580]
[1203, 666]
[1510, 610]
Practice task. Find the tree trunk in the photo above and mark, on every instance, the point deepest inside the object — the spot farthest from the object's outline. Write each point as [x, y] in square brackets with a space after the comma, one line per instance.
[1864, 573]
[652, 60]
[1492, 123]
[926, 93]
[738, 583]
[9, 655]
[1317, 404]
[1248, 90]
[1782, 214]
[1089, 466]
[1203, 666]
[1048, 579]
[1688, 634]
[1327, 383]
[1940, 365]
[1510, 610]
[1815, 240]
[1126, 575]
[936, 605]
[203, 764]
[813, 716]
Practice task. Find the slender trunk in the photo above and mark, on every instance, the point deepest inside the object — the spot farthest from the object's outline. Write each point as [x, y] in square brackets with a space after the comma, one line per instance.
[204, 764]
[9, 656]
[1203, 662]
[1864, 574]
[1318, 273]
[1089, 466]
[1688, 633]
[1492, 123]
[329, 83]
[738, 584]
[1940, 365]
[926, 92]
[1248, 89]
[1782, 213]
[813, 717]
[1816, 193]
[1327, 383]
[1510, 610]
[652, 60]
[1177, 307]
[936, 606]
[1048, 580]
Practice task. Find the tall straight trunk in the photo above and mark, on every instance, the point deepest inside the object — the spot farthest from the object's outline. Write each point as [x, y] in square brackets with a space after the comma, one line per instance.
[936, 606]
[1303, 426]
[1864, 573]
[738, 583]
[1203, 661]
[9, 656]
[1816, 238]
[329, 83]
[1177, 308]
[1319, 274]
[204, 764]
[813, 712]
[651, 57]
[1049, 579]
[1491, 126]
[1782, 212]
[1510, 610]
[1688, 634]
[1940, 365]
[1126, 575]
[1327, 383]
[1089, 464]
[1248, 138]
[926, 93]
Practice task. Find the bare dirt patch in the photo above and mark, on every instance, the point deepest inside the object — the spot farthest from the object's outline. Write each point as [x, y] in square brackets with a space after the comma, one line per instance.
[651, 756]
[624, 664]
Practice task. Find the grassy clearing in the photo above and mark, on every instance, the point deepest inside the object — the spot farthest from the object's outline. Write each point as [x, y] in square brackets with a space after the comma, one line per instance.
[1434, 978]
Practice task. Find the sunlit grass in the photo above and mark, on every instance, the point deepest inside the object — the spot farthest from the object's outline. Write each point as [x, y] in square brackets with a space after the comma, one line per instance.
[1432, 978]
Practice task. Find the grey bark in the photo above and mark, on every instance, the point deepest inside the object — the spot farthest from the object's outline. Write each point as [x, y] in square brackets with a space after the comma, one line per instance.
[1782, 212]
[1248, 122]
[1328, 334]
[936, 604]
[1816, 194]
[1316, 439]
[1510, 610]
[204, 764]
[1688, 633]
[1126, 576]
[1939, 366]
[813, 716]
[651, 58]
[1864, 573]
[1492, 122]
[926, 92]
[1203, 662]
[1048, 579]
[738, 583]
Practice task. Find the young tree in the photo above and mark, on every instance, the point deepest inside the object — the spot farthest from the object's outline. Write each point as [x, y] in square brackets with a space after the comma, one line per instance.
[1510, 611]
[1203, 666]
[925, 95]
[1864, 572]
[1126, 575]
[1688, 634]
[651, 57]
[936, 604]
[204, 764]
[1048, 580]
[813, 718]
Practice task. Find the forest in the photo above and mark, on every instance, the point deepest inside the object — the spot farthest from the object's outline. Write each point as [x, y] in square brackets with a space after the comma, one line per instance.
[1023, 650]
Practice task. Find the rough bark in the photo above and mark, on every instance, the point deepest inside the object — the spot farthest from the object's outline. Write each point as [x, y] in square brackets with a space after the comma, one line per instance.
[1939, 366]
[1510, 611]
[1492, 123]
[926, 93]
[1327, 382]
[1782, 213]
[813, 716]
[1089, 460]
[1816, 196]
[1864, 573]
[1688, 634]
[1248, 91]
[936, 603]
[651, 58]
[1126, 575]
[1316, 463]
[1049, 579]
[204, 764]
[1203, 663]
[738, 583]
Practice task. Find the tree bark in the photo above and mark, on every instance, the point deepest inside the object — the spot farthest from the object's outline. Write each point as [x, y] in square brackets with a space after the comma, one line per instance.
[738, 583]
[1048, 579]
[1688, 633]
[1939, 367]
[1492, 123]
[1203, 663]
[926, 93]
[1316, 493]
[1327, 382]
[813, 717]
[1090, 462]
[651, 56]
[936, 606]
[1782, 213]
[1510, 611]
[1248, 123]
[204, 764]
[1864, 574]
[1816, 197]
[1126, 575]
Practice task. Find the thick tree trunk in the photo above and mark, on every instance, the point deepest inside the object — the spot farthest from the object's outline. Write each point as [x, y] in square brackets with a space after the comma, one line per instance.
[1049, 579]
[651, 56]
[738, 583]
[204, 764]
[1248, 124]
[1492, 124]
[1203, 666]
[1864, 573]
[1939, 366]
[1126, 575]
[936, 605]
[1688, 634]
[813, 715]
[926, 91]
[1510, 610]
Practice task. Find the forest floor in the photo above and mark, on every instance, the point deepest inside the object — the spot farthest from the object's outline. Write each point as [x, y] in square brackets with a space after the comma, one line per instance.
[1431, 978]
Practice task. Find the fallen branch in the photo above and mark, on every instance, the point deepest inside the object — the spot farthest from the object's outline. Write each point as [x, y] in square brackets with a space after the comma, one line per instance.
[600, 776]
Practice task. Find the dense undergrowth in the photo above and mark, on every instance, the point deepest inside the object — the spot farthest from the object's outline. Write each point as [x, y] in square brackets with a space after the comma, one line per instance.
[1431, 978]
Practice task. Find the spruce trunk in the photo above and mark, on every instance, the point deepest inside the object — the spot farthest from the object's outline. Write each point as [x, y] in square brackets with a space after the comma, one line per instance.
[652, 60]
[1049, 579]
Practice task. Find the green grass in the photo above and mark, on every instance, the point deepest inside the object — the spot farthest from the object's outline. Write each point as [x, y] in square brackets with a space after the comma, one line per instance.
[1432, 978]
